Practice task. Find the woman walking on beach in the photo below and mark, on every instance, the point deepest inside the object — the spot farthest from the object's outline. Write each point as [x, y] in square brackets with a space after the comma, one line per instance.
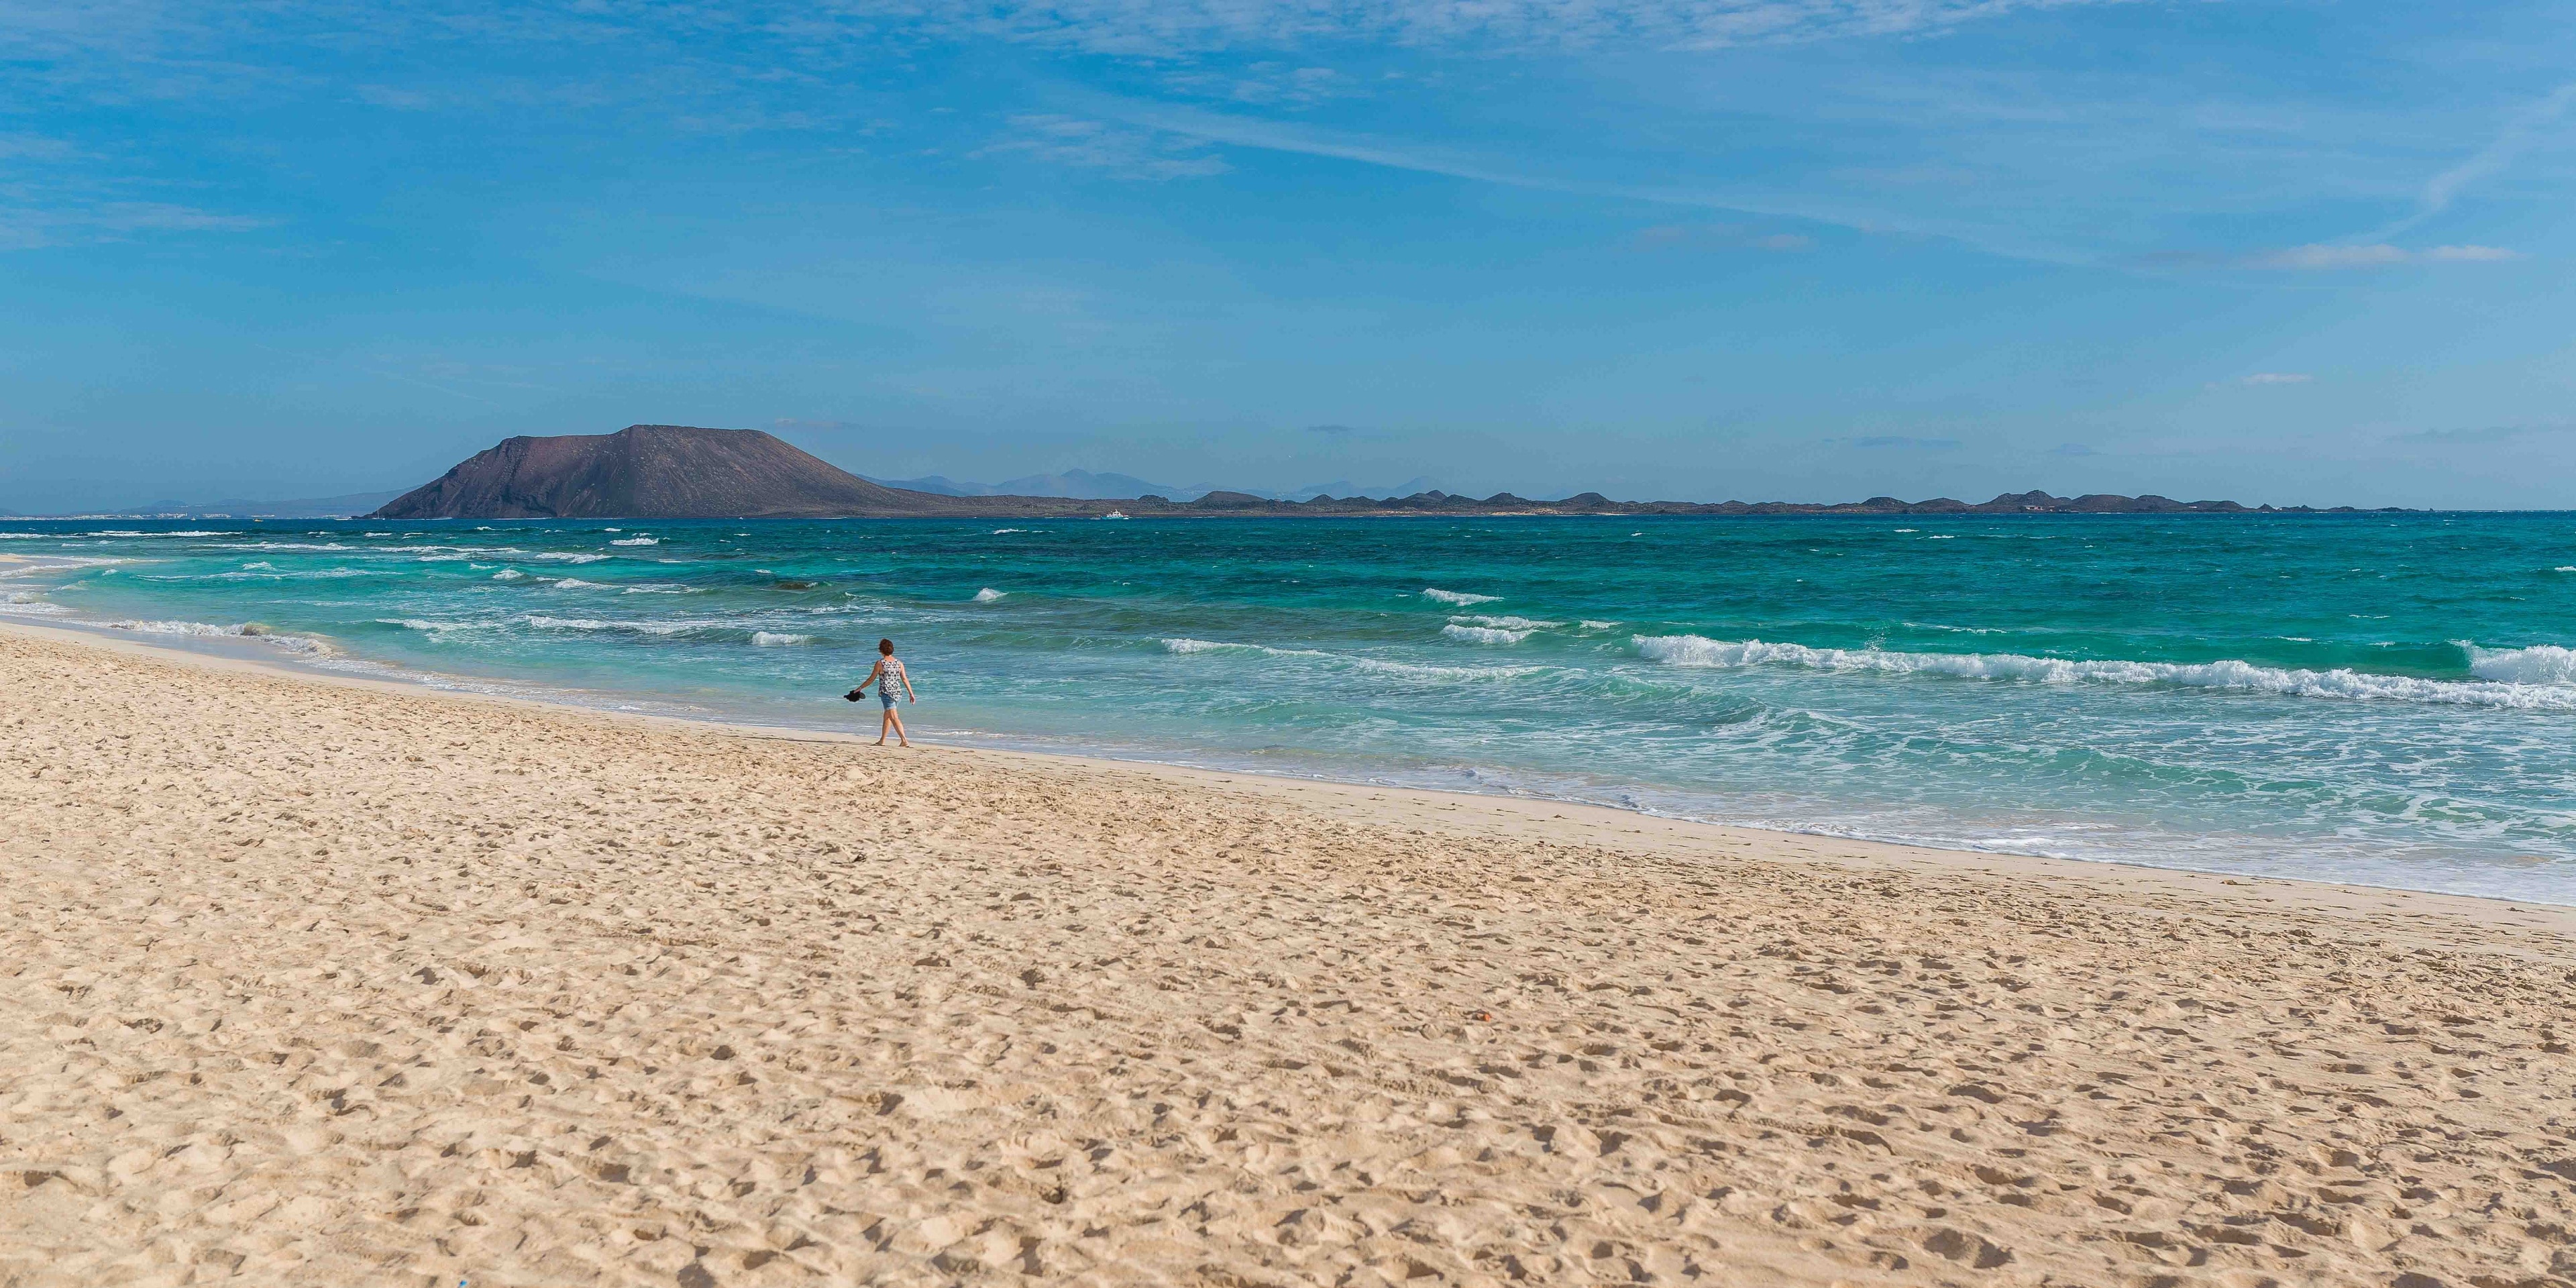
[888, 673]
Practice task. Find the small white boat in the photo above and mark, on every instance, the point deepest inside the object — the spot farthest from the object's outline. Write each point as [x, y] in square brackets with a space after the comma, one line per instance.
[1115, 514]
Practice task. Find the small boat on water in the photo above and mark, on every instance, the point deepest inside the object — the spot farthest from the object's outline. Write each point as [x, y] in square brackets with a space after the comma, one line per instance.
[1115, 514]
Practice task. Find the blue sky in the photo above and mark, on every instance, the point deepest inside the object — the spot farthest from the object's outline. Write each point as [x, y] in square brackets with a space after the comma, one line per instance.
[1803, 249]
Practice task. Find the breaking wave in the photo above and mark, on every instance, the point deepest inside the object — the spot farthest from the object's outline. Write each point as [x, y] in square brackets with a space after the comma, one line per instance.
[1699, 651]
[2538, 664]
[302, 644]
[1209, 646]
[988, 595]
[680, 627]
[1483, 634]
[27, 603]
[1459, 597]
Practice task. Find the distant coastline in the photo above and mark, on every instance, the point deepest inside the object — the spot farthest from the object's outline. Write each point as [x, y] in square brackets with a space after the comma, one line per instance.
[691, 472]
[688, 472]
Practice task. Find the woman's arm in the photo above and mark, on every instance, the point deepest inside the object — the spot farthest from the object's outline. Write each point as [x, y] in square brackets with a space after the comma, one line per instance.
[908, 694]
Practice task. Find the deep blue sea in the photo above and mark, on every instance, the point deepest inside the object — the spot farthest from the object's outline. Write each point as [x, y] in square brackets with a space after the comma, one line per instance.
[2388, 699]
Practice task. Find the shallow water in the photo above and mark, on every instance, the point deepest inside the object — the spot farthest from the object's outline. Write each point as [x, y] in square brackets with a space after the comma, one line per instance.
[2384, 699]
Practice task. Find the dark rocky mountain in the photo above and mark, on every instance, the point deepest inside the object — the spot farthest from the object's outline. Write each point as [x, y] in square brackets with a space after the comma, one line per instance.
[681, 472]
[655, 472]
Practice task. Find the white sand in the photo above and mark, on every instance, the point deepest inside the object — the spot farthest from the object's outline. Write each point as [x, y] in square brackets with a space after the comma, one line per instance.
[330, 983]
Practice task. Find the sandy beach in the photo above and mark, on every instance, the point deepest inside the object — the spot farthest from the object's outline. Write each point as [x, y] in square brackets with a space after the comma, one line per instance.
[308, 981]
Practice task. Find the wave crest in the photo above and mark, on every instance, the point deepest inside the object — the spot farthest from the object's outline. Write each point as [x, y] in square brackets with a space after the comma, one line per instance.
[303, 644]
[1207, 646]
[1483, 634]
[2538, 664]
[1459, 597]
[1699, 651]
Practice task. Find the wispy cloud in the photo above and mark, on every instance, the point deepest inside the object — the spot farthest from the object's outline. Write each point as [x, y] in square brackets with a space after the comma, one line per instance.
[1895, 442]
[1717, 237]
[2276, 378]
[1122, 150]
[1203, 26]
[2522, 129]
[146, 30]
[1420, 158]
[2483, 434]
[2329, 257]
[32, 219]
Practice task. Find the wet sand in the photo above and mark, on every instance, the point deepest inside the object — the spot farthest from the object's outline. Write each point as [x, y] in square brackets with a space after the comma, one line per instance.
[327, 982]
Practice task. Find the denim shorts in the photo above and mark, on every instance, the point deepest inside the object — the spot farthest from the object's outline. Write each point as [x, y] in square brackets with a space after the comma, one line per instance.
[886, 696]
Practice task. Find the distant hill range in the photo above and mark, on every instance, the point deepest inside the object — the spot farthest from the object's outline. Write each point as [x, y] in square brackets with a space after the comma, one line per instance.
[320, 507]
[353, 505]
[1126, 487]
[681, 472]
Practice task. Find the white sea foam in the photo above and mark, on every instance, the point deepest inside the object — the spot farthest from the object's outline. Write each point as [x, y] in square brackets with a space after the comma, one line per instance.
[1591, 625]
[208, 630]
[1208, 646]
[2539, 664]
[576, 583]
[636, 541]
[1374, 665]
[25, 603]
[661, 588]
[774, 639]
[1421, 671]
[560, 556]
[1698, 651]
[266, 572]
[2564, 568]
[259, 565]
[508, 574]
[683, 626]
[39, 536]
[41, 564]
[1506, 623]
[988, 595]
[422, 624]
[1483, 634]
[999, 531]
[1458, 597]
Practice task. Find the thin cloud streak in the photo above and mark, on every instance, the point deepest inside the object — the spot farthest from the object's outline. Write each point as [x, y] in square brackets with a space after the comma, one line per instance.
[2377, 255]
[2517, 137]
[1273, 137]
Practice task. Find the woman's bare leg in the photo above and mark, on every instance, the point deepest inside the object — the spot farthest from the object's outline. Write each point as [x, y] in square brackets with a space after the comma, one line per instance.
[883, 724]
[897, 722]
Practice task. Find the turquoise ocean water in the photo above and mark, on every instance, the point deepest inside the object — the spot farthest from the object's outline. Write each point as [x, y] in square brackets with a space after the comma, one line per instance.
[2384, 699]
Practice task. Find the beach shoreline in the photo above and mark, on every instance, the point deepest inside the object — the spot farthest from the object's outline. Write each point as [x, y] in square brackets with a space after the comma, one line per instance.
[1517, 815]
[323, 979]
